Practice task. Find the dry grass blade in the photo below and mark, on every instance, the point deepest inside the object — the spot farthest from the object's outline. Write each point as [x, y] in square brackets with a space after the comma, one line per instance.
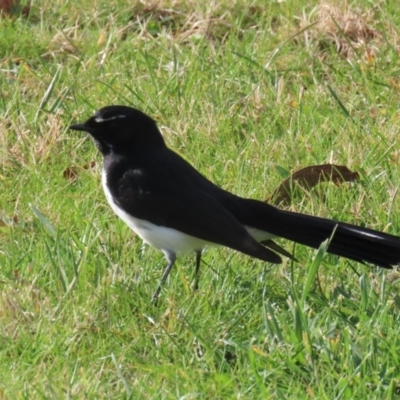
[187, 21]
[345, 28]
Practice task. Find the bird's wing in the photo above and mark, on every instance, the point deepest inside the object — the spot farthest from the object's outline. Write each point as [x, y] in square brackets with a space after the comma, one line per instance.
[190, 210]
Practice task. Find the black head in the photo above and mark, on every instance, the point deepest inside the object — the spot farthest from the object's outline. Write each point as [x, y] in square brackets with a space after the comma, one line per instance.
[121, 127]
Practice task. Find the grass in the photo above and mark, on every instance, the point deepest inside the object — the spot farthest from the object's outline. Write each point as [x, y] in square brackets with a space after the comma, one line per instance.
[247, 93]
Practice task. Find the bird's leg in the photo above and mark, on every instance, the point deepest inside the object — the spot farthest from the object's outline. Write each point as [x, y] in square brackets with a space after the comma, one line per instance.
[197, 270]
[171, 257]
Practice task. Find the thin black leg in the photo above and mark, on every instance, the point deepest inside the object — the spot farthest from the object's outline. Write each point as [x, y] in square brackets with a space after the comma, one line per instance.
[197, 270]
[171, 257]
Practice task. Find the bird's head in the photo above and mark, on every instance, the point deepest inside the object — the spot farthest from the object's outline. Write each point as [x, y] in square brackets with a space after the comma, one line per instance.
[118, 127]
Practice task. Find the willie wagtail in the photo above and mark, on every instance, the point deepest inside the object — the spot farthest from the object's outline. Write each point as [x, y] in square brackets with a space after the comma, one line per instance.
[174, 208]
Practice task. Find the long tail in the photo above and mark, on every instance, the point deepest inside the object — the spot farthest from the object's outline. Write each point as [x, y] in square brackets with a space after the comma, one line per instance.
[350, 241]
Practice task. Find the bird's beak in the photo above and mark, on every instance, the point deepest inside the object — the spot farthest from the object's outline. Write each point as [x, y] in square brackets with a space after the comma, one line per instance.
[79, 127]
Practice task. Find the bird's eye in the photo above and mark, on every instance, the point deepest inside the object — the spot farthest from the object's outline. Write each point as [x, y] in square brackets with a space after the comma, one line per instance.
[103, 119]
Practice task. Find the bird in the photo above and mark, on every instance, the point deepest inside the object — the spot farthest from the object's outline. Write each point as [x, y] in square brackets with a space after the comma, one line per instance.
[176, 209]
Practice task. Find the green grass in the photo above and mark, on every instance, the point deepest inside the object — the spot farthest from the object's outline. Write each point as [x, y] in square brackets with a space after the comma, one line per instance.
[247, 96]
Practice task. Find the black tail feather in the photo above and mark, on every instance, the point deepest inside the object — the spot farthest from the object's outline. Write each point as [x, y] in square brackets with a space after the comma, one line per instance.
[349, 241]
[280, 250]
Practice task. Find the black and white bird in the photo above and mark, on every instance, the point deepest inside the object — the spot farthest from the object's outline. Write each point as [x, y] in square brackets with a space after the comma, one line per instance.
[175, 209]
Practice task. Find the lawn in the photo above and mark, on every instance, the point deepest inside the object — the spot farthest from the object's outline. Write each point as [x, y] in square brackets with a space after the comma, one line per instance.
[248, 92]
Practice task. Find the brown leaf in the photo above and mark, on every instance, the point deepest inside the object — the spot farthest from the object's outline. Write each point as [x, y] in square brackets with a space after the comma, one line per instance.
[70, 173]
[6, 222]
[6, 6]
[91, 165]
[309, 177]
[13, 7]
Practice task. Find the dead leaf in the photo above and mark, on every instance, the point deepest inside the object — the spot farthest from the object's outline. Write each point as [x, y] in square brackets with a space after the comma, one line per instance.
[70, 173]
[13, 7]
[91, 165]
[64, 42]
[309, 177]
